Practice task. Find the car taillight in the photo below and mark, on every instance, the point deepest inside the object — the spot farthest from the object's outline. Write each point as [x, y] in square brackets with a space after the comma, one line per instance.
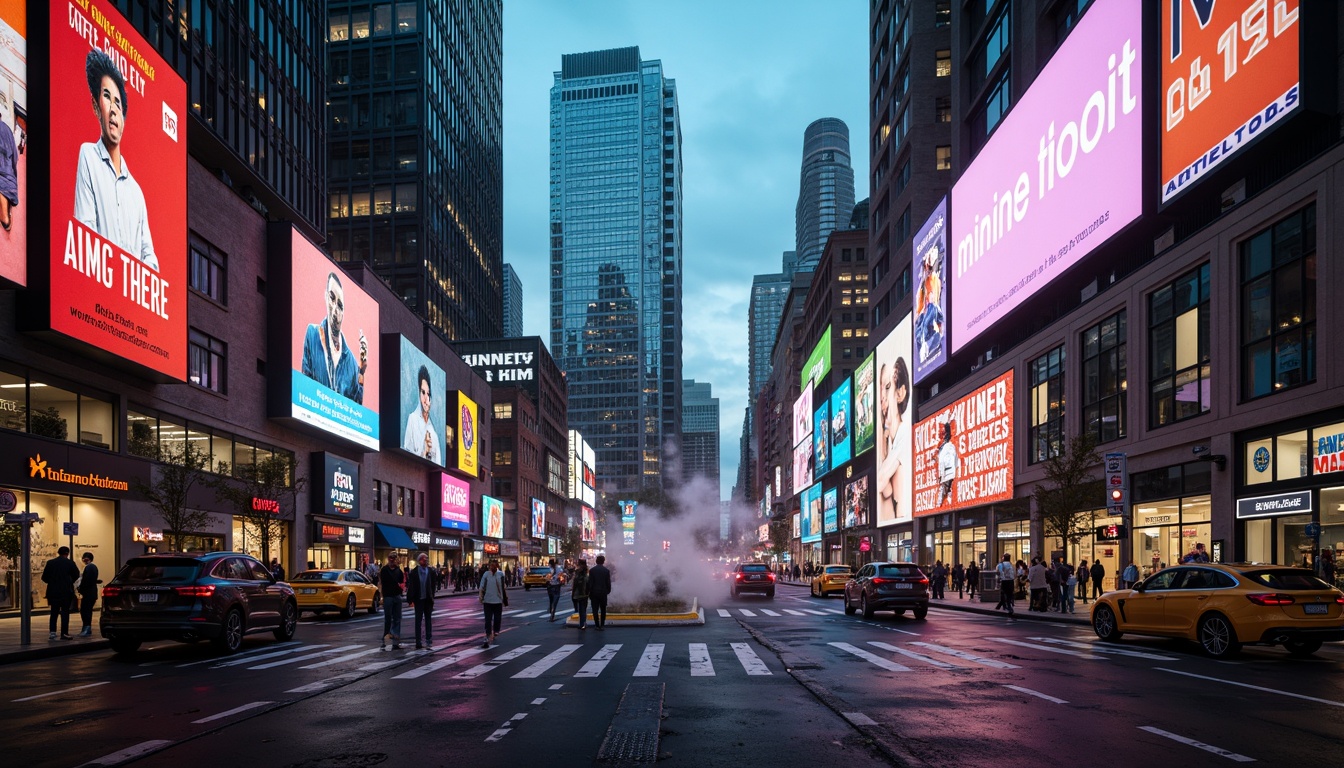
[878, 582]
[206, 590]
[772, 577]
[1339, 599]
[111, 592]
[739, 577]
[1270, 599]
[923, 582]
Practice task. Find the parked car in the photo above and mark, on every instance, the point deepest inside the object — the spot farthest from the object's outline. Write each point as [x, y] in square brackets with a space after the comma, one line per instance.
[886, 586]
[218, 596]
[751, 577]
[335, 589]
[832, 578]
[536, 576]
[1225, 606]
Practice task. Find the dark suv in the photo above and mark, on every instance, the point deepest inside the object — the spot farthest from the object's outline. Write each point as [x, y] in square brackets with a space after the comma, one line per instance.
[888, 587]
[217, 596]
[751, 577]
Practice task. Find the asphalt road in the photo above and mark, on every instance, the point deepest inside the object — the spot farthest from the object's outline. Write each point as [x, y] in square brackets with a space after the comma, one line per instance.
[786, 682]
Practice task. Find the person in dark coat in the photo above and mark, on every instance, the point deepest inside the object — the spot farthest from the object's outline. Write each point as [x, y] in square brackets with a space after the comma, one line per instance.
[599, 587]
[421, 584]
[88, 594]
[60, 574]
[1098, 573]
[579, 593]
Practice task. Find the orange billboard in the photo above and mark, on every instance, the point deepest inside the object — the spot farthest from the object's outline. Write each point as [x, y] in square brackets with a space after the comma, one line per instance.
[964, 452]
[1230, 71]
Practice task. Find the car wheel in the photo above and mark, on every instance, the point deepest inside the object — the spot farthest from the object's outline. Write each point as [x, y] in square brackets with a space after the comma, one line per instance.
[124, 646]
[899, 611]
[289, 620]
[527, 587]
[1302, 648]
[1217, 637]
[377, 603]
[349, 612]
[231, 633]
[849, 609]
[1104, 624]
[921, 612]
[867, 609]
[732, 593]
[770, 594]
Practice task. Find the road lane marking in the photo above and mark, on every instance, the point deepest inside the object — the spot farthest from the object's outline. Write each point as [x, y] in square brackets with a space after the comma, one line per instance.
[339, 659]
[323, 684]
[129, 753]
[305, 657]
[701, 665]
[912, 655]
[242, 656]
[1038, 647]
[1099, 648]
[651, 661]
[792, 612]
[1037, 694]
[435, 666]
[556, 687]
[746, 612]
[815, 612]
[1198, 744]
[147, 674]
[500, 660]
[529, 613]
[858, 718]
[535, 702]
[724, 614]
[272, 655]
[872, 658]
[536, 670]
[768, 612]
[1254, 687]
[967, 656]
[63, 690]
[599, 661]
[750, 661]
[233, 711]
[835, 611]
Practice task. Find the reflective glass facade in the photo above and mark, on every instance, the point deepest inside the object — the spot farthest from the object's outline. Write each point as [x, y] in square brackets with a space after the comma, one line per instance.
[825, 188]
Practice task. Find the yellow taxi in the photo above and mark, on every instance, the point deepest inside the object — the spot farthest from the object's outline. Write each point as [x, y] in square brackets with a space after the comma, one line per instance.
[335, 589]
[537, 576]
[832, 578]
[1225, 606]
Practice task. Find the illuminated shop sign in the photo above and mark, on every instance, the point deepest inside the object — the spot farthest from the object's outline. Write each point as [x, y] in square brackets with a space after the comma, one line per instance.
[454, 503]
[964, 452]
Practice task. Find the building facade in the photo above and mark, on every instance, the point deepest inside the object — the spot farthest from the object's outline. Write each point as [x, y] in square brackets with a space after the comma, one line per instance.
[700, 433]
[616, 260]
[825, 189]
[513, 303]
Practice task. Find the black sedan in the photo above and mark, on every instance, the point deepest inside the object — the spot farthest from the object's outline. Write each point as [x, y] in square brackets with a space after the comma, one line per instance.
[218, 596]
[751, 577]
[888, 587]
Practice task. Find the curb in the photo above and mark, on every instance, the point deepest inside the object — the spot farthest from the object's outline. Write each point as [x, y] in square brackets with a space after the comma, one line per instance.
[67, 648]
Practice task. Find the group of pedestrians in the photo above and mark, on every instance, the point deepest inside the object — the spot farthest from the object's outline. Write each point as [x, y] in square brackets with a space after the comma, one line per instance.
[70, 589]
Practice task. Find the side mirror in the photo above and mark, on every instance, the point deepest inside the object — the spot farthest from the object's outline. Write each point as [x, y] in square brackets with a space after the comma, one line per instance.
[1138, 587]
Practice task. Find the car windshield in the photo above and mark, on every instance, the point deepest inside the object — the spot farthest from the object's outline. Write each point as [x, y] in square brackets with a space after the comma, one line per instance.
[178, 571]
[1287, 578]
[837, 569]
[895, 571]
[318, 576]
[754, 568]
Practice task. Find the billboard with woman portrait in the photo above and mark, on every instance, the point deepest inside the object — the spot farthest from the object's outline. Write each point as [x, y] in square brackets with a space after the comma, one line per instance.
[894, 478]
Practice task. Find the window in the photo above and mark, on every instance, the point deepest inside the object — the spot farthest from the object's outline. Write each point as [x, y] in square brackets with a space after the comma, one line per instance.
[1178, 349]
[990, 52]
[1278, 306]
[943, 63]
[1046, 373]
[206, 357]
[503, 410]
[942, 13]
[206, 273]
[942, 157]
[1104, 379]
[942, 109]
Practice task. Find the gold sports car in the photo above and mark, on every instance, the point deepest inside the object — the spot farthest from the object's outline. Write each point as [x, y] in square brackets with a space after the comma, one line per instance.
[335, 589]
[1225, 606]
[831, 579]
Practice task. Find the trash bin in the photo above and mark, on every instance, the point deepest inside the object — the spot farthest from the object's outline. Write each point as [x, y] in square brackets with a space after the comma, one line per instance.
[989, 586]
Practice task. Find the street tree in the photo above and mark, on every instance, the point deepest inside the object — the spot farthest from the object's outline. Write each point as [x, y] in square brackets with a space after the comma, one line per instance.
[265, 496]
[572, 544]
[1070, 487]
[781, 535]
[178, 471]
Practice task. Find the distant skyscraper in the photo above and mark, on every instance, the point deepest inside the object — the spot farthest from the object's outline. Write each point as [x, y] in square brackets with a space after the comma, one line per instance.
[416, 165]
[825, 189]
[699, 432]
[513, 303]
[768, 293]
[616, 259]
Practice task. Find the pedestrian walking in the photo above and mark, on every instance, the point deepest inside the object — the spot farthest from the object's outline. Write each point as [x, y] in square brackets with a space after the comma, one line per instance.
[494, 595]
[579, 593]
[1036, 579]
[88, 594]
[959, 580]
[555, 581]
[797, 573]
[972, 579]
[421, 585]
[937, 577]
[1052, 583]
[1070, 587]
[1129, 577]
[1098, 574]
[59, 574]
[392, 582]
[1007, 583]
[599, 587]
[369, 568]
[1084, 575]
[1063, 590]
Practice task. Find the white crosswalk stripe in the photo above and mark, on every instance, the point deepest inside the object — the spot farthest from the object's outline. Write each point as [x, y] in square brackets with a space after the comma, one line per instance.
[912, 655]
[995, 663]
[481, 669]
[434, 666]
[725, 614]
[272, 655]
[555, 657]
[340, 659]
[651, 661]
[768, 612]
[1099, 648]
[815, 613]
[792, 612]
[529, 613]
[751, 663]
[872, 658]
[1039, 647]
[745, 612]
[305, 657]
[599, 661]
[701, 665]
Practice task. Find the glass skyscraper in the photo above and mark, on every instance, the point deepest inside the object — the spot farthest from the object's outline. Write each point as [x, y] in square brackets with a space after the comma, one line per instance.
[700, 432]
[513, 303]
[825, 189]
[616, 260]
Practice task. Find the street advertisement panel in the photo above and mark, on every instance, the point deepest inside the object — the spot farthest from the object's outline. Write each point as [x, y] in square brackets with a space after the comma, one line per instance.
[492, 517]
[589, 524]
[338, 487]
[628, 511]
[1230, 71]
[334, 382]
[763, 533]
[821, 439]
[589, 474]
[865, 421]
[964, 453]
[894, 477]
[819, 362]
[468, 434]
[423, 396]
[931, 293]
[454, 503]
[552, 545]
[118, 261]
[811, 512]
[802, 466]
[829, 511]
[856, 503]
[14, 111]
[1062, 173]
[802, 415]
[538, 519]
[796, 524]
[575, 463]
[841, 423]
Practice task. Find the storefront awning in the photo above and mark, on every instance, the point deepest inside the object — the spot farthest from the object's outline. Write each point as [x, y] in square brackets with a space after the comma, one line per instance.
[392, 537]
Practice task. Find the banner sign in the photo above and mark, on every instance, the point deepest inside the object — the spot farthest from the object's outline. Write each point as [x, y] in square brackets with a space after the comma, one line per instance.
[964, 453]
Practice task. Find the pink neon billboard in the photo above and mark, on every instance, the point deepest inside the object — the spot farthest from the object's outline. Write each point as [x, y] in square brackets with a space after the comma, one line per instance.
[1060, 175]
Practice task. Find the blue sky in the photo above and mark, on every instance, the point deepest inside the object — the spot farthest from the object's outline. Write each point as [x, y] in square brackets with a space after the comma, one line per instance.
[751, 75]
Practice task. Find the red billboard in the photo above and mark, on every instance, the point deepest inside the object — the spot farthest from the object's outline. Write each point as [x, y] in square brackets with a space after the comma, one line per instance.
[118, 190]
[964, 452]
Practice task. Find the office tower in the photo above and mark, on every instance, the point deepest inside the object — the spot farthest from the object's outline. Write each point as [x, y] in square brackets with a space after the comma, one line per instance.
[768, 293]
[416, 160]
[825, 189]
[513, 303]
[700, 432]
[616, 276]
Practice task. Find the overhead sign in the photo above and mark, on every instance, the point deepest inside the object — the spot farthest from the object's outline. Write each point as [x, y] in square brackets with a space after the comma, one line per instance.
[468, 425]
[504, 362]
[802, 415]
[337, 485]
[830, 511]
[865, 412]
[422, 403]
[856, 503]
[589, 530]
[842, 423]
[802, 466]
[893, 480]
[492, 517]
[145, 534]
[931, 293]
[538, 519]
[964, 452]
[1230, 71]
[819, 362]
[1109, 532]
[821, 439]
[454, 503]
[812, 514]
[329, 533]
[1297, 503]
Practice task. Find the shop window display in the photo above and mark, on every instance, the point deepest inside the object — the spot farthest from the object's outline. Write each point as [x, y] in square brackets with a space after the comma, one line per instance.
[96, 519]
